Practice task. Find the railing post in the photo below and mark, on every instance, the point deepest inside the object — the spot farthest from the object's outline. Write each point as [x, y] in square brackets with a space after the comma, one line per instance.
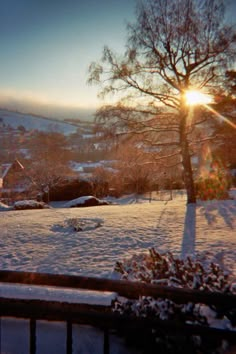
[32, 336]
[0, 334]
[106, 348]
[68, 337]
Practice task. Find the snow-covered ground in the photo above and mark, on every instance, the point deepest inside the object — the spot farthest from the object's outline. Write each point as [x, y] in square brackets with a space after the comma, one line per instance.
[46, 241]
[31, 122]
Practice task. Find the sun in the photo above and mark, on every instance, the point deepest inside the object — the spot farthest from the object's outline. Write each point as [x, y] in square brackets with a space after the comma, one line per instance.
[194, 97]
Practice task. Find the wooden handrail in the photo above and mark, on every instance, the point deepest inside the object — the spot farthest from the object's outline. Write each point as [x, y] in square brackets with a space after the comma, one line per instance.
[123, 288]
[102, 317]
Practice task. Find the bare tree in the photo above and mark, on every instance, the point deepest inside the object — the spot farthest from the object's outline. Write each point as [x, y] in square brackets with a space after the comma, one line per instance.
[49, 163]
[173, 46]
[136, 172]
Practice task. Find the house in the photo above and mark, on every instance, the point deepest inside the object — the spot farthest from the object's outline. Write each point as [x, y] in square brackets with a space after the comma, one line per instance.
[12, 179]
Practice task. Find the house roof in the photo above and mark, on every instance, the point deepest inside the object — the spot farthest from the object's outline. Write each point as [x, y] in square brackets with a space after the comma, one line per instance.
[7, 166]
[18, 164]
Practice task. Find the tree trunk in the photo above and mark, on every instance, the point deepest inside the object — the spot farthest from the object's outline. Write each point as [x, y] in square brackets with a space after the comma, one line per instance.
[186, 159]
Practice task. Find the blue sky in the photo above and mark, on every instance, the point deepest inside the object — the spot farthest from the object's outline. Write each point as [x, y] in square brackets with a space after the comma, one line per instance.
[47, 46]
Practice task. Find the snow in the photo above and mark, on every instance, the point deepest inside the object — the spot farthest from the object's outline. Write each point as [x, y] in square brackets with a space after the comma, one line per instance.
[28, 204]
[88, 136]
[6, 167]
[80, 200]
[51, 338]
[46, 240]
[82, 166]
[33, 122]
[213, 320]
[57, 294]
[4, 207]
[43, 241]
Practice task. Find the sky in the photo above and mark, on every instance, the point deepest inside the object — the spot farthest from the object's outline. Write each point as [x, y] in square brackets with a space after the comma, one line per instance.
[48, 45]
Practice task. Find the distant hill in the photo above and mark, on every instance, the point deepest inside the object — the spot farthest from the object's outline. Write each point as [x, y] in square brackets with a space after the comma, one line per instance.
[35, 122]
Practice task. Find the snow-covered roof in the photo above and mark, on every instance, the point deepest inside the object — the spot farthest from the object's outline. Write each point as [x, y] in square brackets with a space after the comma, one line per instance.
[82, 166]
[5, 168]
[4, 207]
[17, 162]
[25, 152]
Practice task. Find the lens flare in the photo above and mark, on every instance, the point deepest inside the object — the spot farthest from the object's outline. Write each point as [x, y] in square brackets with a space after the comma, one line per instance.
[220, 116]
[195, 97]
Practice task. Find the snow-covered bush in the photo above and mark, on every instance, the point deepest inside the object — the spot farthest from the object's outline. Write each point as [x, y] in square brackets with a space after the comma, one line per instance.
[29, 204]
[85, 201]
[164, 269]
[84, 224]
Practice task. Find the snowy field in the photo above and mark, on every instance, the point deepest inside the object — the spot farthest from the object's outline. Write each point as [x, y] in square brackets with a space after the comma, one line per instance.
[46, 241]
[29, 122]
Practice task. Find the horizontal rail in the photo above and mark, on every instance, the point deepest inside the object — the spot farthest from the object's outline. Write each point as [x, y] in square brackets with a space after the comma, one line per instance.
[58, 311]
[102, 317]
[123, 288]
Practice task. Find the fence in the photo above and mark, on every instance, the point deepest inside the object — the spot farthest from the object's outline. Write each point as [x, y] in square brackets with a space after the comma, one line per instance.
[100, 316]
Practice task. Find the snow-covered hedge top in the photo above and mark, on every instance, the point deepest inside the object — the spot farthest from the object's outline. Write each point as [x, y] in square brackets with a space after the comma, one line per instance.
[29, 204]
[83, 200]
[79, 200]
[164, 269]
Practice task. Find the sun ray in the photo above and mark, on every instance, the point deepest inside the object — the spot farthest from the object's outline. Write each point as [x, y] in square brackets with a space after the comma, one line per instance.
[220, 116]
[195, 97]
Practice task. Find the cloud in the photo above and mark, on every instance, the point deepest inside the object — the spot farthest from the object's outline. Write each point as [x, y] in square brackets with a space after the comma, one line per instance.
[26, 103]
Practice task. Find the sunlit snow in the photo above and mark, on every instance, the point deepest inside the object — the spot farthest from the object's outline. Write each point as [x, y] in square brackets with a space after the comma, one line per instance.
[46, 241]
[37, 240]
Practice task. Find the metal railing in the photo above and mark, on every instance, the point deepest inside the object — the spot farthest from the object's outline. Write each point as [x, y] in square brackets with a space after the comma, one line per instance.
[100, 316]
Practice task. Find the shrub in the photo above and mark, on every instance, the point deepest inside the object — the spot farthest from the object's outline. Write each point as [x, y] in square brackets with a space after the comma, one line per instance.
[29, 204]
[215, 184]
[167, 270]
[86, 201]
[211, 188]
[70, 189]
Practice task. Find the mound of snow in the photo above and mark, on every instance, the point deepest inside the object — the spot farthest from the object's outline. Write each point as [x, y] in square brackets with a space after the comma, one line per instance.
[84, 224]
[85, 201]
[29, 204]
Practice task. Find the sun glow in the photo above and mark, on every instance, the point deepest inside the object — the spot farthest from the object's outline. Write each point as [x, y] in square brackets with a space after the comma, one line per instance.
[194, 97]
